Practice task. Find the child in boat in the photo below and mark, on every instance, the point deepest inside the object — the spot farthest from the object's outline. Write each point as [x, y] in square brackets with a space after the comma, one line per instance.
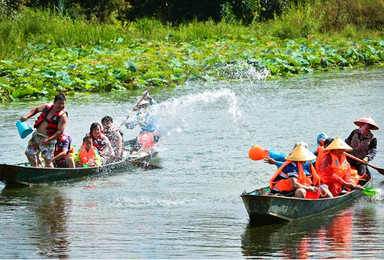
[62, 154]
[88, 155]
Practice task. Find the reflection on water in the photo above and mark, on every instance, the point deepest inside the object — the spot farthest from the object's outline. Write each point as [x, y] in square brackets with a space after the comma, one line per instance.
[46, 219]
[324, 236]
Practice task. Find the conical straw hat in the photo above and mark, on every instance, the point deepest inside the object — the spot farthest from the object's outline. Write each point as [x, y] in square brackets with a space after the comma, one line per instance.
[338, 144]
[300, 154]
[367, 120]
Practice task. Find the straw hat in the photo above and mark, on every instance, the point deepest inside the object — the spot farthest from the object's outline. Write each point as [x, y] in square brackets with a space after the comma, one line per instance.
[300, 154]
[367, 120]
[338, 144]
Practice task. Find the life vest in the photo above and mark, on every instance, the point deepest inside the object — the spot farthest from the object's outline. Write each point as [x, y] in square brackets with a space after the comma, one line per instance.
[355, 176]
[340, 167]
[53, 122]
[361, 144]
[280, 180]
[60, 143]
[146, 141]
[87, 157]
[100, 143]
[320, 152]
[337, 169]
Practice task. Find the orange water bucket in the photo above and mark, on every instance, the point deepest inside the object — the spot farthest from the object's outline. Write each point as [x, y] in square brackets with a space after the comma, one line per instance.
[257, 153]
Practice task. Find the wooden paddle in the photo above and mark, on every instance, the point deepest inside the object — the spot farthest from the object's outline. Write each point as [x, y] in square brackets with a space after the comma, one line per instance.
[380, 170]
[138, 102]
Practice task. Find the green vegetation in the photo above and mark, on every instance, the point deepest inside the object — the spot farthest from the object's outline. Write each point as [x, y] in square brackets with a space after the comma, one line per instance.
[43, 52]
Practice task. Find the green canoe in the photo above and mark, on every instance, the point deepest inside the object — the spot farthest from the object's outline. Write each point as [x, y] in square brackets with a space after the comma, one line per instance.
[264, 209]
[26, 175]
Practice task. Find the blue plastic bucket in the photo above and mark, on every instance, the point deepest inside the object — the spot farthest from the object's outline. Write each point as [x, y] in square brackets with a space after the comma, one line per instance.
[24, 129]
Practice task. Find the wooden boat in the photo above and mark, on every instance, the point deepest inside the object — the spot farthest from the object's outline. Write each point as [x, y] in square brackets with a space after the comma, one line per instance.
[26, 175]
[264, 208]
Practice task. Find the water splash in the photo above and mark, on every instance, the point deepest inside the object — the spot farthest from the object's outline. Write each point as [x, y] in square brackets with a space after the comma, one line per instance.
[178, 113]
[243, 72]
[378, 196]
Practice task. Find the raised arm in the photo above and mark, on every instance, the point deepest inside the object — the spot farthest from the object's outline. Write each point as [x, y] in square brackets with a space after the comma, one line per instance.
[33, 112]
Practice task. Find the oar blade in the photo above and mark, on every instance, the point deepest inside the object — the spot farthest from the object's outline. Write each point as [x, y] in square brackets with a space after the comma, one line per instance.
[144, 165]
[380, 170]
[370, 191]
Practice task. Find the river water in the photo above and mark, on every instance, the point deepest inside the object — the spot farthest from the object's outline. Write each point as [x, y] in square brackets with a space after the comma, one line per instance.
[191, 208]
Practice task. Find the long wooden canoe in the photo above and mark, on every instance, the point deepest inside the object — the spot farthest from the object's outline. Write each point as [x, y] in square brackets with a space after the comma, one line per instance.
[264, 208]
[26, 175]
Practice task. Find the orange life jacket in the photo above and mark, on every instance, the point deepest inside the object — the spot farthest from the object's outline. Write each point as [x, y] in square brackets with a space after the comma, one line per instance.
[337, 169]
[53, 122]
[320, 156]
[340, 167]
[284, 184]
[87, 157]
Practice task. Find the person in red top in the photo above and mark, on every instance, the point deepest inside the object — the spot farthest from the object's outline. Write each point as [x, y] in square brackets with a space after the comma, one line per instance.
[50, 125]
[334, 170]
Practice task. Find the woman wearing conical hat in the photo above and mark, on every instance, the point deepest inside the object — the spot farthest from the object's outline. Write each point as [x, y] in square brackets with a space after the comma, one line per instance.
[363, 143]
[292, 180]
[334, 169]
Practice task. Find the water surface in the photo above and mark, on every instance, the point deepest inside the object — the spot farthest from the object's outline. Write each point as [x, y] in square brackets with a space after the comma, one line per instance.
[191, 208]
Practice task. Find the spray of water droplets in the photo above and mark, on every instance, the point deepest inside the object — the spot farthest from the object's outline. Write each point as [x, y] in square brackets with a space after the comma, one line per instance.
[177, 113]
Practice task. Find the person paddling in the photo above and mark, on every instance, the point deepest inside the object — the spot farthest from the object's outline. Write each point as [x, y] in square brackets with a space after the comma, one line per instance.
[50, 125]
[147, 120]
[363, 143]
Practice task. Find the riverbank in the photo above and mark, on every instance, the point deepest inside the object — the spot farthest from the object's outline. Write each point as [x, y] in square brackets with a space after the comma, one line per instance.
[61, 55]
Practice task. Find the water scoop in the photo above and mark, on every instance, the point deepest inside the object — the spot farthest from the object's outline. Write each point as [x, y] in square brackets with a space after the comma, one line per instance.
[257, 153]
[24, 129]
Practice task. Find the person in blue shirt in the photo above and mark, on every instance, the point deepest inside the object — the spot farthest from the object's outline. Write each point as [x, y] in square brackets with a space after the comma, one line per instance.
[279, 158]
[148, 122]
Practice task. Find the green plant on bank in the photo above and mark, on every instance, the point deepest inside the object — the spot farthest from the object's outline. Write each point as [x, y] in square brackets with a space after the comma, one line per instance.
[45, 52]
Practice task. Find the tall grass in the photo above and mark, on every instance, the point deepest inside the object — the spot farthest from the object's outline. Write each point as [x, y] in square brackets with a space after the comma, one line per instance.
[320, 18]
